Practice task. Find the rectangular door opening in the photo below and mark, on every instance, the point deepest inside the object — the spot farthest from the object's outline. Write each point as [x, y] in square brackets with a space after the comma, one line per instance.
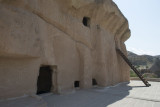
[94, 82]
[76, 84]
[44, 82]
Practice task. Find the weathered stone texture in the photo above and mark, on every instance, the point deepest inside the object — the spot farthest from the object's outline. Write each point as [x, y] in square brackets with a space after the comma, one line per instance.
[50, 32]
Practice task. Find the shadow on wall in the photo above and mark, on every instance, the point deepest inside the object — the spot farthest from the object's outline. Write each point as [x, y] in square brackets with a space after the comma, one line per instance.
[95, 97]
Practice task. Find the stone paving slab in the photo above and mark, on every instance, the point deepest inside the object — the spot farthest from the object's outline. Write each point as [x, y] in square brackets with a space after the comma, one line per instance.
[29, 101]
[134, 94]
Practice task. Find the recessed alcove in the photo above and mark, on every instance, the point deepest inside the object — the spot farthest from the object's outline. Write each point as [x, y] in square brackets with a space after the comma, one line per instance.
[94, 82]
[44, 82]
[86, 21]
[76, 84]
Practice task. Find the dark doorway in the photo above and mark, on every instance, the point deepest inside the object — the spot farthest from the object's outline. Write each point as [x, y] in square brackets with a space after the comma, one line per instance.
[86, 21]
[76, 84]
[44, 82]
[94, 82]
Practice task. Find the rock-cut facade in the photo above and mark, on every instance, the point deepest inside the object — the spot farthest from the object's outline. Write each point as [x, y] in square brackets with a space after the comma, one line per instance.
[60, 46]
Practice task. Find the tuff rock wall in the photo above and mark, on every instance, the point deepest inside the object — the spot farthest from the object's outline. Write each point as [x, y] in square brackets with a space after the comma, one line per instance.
[34, 33]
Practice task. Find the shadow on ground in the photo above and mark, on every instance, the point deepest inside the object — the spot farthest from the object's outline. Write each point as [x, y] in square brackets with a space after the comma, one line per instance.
[96, 97]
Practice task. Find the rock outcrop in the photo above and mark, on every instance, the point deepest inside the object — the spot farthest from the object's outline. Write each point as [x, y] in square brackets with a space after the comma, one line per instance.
[76, 38]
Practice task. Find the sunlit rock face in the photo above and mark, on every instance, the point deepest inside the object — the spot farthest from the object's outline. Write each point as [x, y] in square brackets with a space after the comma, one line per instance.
[75, 38]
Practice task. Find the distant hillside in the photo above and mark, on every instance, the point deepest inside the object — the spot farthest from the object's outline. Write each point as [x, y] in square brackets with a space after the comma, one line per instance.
[156, 67]
[131, 54]
[147, 63]
[142, 60]
[158, 56]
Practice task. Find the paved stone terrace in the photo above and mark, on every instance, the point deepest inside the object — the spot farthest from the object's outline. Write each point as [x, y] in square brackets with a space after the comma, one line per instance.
[134, 94]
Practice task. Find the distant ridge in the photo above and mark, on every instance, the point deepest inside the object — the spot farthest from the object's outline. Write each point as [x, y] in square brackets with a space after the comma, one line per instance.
[149, 64]
[155, 68]
[144, 60]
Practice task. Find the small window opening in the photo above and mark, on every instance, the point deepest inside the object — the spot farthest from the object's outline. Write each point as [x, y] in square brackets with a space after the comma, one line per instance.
[76, 84]
[94, 82]
[86, 21]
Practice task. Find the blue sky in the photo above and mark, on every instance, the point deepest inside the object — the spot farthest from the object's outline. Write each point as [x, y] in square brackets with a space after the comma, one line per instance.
[144, 22]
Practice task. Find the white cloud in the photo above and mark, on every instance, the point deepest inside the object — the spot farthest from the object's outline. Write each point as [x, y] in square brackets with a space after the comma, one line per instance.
[140, 51]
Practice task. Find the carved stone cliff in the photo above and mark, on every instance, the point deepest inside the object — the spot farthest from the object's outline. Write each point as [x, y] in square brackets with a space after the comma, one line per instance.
[76, 38]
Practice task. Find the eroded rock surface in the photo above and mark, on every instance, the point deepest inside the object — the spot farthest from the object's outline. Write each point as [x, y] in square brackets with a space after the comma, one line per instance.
[76, 38]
